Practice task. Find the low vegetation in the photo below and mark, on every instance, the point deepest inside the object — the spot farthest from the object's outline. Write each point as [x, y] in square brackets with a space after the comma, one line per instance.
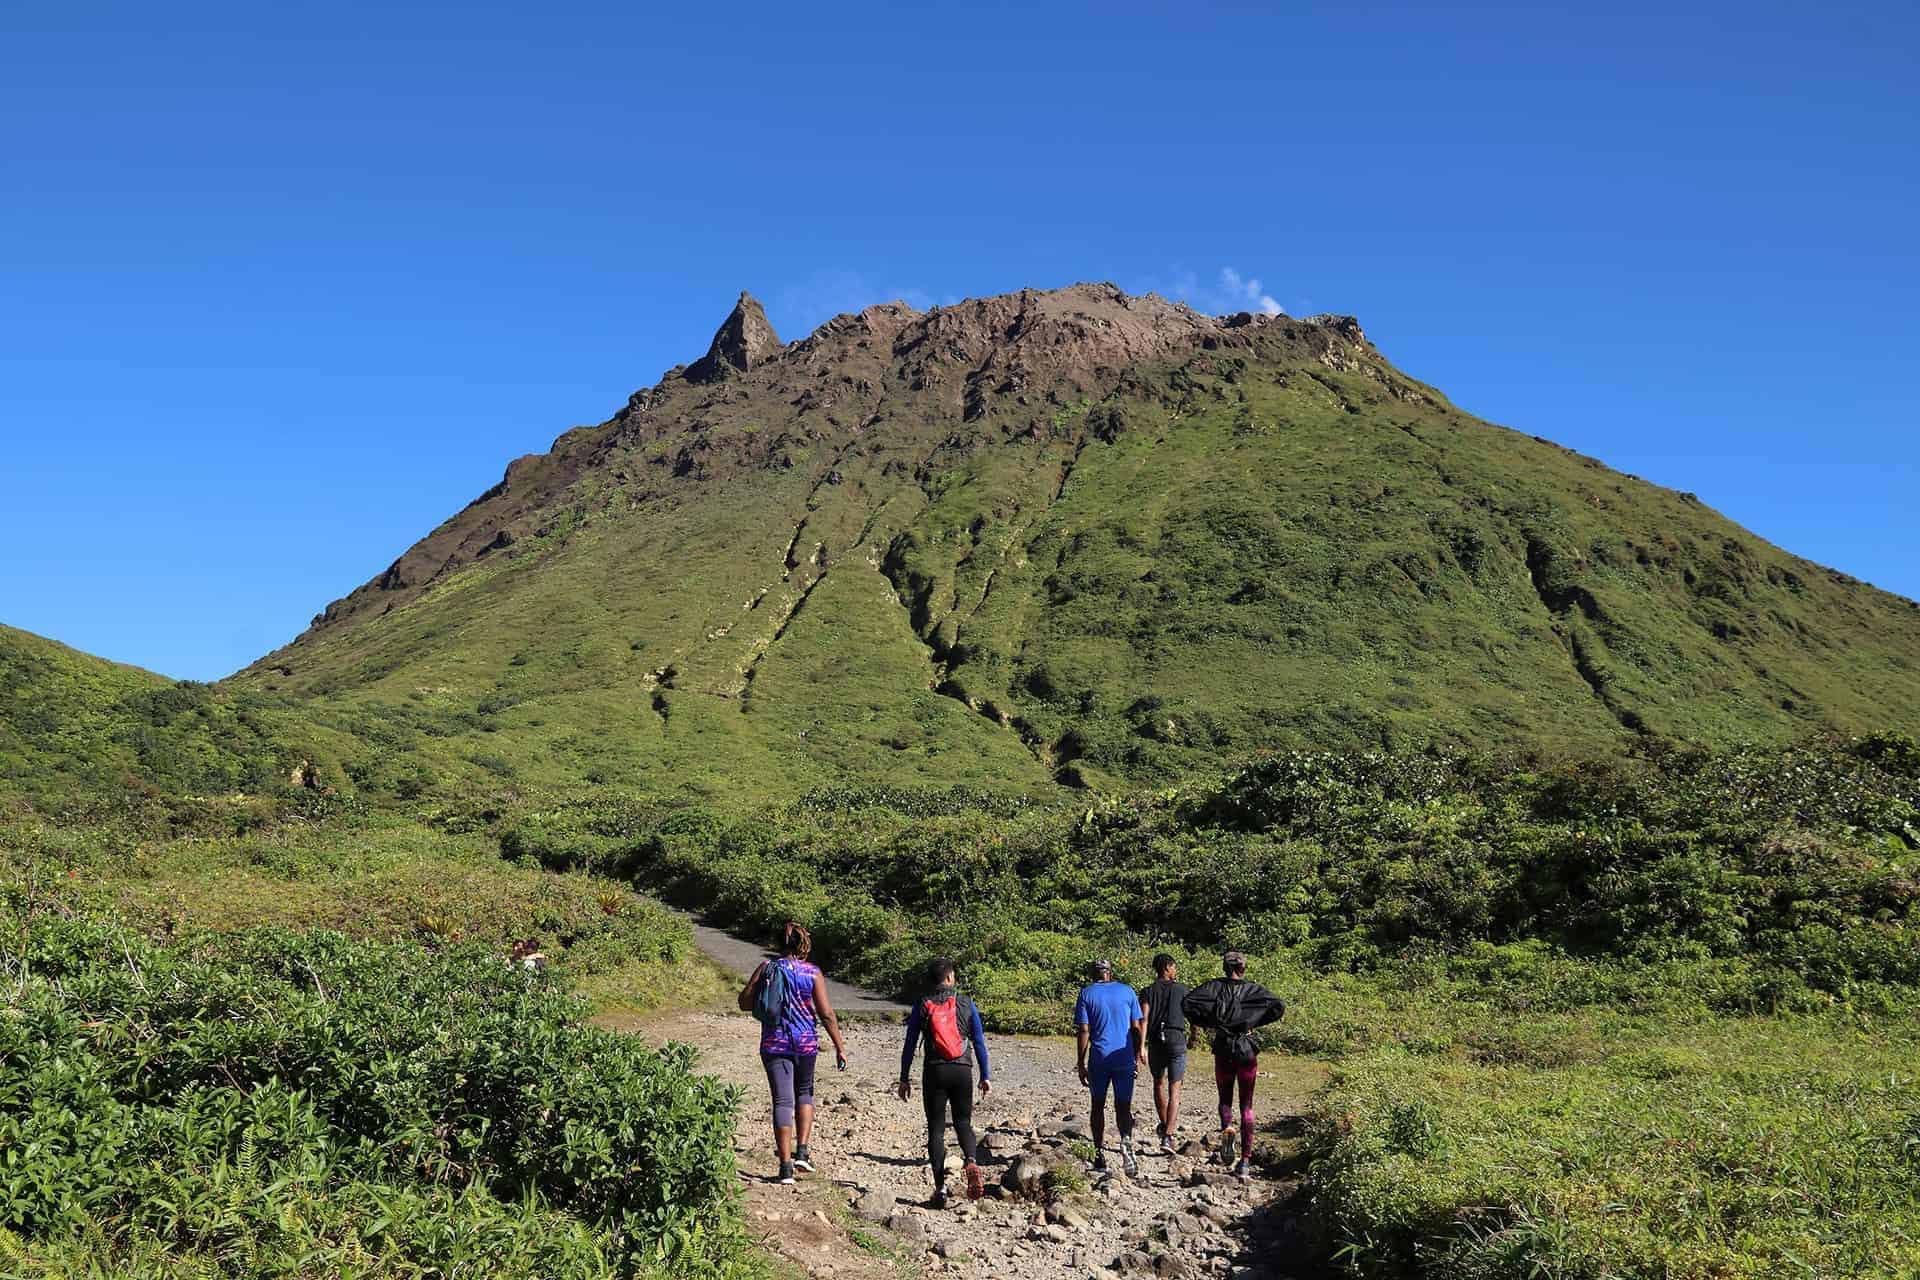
[268, 1102]
[1652, 1017]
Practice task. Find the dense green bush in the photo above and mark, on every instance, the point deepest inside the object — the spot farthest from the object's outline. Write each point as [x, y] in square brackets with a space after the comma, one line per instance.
[282, 1103]
[1797, 865]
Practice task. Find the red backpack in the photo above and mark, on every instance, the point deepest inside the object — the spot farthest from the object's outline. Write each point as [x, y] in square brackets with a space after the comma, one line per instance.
[946, 1042]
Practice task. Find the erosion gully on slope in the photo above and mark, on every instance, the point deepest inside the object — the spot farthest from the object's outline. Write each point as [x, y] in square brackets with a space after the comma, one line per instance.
[864, 1213]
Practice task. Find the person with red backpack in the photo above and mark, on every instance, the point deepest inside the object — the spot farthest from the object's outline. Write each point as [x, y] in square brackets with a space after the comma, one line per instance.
[954, 1035]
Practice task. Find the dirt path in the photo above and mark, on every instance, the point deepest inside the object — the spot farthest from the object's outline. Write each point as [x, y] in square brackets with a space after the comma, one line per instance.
[863, 1213]
[739, 957]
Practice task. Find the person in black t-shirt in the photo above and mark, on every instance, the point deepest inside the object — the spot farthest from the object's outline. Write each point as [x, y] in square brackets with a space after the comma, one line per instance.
[1168, 1038]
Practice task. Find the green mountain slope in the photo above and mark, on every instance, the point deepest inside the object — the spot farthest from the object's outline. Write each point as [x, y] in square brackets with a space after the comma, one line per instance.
[1075, 536]
[75, 729]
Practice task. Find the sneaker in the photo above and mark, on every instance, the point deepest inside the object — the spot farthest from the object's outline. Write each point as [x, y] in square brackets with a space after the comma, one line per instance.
[1166, 1144]
[786, 1173]
[976, 1182]
[1099, 1162]
[939, 1198]
[1129, 1160]
[803, 1158]
[1244, 1170]
[1227, 1142]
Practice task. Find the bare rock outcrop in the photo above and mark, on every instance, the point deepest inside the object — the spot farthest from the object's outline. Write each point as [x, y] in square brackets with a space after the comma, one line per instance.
[744, 341]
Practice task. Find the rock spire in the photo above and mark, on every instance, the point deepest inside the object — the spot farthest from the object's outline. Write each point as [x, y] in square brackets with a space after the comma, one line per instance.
[745, 340]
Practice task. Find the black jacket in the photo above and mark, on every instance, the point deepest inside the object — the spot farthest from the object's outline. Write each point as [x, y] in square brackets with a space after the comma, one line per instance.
[1231, 1007]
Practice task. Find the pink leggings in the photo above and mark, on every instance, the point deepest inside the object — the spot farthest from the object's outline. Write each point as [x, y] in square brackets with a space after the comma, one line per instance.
[1225, 1075]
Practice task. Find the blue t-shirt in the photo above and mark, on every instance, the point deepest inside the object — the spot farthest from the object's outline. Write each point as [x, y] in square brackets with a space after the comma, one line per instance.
[1108, 1011]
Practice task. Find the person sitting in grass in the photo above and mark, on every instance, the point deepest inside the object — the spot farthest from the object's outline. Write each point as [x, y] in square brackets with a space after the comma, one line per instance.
[1234, 1008]
[955, 1036]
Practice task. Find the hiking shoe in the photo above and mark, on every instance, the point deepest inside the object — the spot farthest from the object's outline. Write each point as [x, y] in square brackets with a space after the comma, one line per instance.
[1099, 1162]
[1244, 1170]
[1128, 1159]
[939, 1197]
[976, 1182]
[1166, 1144]
[803, 1158]
[786, 1173]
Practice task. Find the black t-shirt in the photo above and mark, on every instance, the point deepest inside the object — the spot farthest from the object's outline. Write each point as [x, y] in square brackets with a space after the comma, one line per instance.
[1162, 1003]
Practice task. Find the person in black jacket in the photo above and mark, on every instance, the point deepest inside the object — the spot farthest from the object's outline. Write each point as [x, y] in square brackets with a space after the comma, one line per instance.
[955, 1036]
[1233, 1009]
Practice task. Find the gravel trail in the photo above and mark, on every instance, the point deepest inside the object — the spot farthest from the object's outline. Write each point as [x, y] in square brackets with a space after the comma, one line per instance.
[864, 1212]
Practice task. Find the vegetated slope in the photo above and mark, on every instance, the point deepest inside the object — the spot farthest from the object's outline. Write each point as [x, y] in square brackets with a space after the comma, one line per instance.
[1078, 536]
[112, 739]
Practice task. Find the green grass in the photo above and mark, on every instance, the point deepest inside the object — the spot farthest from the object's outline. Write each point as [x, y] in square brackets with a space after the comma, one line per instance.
[1752, 1148]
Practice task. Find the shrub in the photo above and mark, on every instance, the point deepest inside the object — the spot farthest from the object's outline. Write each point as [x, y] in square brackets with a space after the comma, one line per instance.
[224, 1095]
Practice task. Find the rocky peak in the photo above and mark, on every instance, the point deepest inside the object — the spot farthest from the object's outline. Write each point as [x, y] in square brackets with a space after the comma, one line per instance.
[1346, 326]
[745, 340]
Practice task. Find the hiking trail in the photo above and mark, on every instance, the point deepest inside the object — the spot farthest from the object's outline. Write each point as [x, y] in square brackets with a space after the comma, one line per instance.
[863, 1213]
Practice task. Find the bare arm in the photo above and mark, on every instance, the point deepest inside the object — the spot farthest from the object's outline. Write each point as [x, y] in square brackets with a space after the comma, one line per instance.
[1137, 1031]
[1086, 1041]
[746, 992]
[824, 1007]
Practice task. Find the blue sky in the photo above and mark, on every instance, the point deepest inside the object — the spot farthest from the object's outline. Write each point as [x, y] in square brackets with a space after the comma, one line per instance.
[282, 287]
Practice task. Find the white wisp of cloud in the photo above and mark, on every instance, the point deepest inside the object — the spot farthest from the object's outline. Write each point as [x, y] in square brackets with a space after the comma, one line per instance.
[1248, 289]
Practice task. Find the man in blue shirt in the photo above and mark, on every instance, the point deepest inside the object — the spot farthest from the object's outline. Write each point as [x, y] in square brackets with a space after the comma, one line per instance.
[1112, 1050]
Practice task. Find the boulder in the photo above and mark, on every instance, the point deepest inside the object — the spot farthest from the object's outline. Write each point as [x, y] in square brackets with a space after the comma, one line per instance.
[1024, 1177]
[873, 1205]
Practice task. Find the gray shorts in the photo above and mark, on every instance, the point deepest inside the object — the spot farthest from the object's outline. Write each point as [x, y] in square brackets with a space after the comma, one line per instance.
[1169, 1060]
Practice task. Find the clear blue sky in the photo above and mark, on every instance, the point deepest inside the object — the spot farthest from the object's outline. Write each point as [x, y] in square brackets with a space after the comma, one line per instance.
[281, 287]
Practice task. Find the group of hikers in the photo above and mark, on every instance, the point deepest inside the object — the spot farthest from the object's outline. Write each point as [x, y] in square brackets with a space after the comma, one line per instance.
[1121, 1031]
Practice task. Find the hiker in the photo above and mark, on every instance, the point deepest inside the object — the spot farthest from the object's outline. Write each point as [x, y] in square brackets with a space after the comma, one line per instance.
[1234, 1008]
[527, 955]
[1169, 1036]
[788, 993]
[954, 1036]
[1111, 1053]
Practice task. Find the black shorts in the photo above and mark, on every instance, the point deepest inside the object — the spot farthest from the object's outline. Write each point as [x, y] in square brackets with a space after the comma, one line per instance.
[1169, 1060]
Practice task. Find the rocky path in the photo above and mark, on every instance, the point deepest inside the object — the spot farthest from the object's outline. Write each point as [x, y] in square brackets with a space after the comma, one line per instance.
[863, 1213]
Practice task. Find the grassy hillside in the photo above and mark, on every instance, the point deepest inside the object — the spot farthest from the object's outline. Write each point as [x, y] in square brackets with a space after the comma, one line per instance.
[77, 730]
[1069, 538]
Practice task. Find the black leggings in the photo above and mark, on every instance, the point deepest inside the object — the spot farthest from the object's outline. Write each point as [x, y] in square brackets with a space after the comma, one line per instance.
[943, 1085]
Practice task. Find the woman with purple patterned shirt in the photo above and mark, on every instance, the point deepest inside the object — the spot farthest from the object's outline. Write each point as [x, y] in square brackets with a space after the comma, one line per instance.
[790, 1045]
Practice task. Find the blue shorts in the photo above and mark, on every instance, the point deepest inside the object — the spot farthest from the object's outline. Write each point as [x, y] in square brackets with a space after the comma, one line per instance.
[1116, 1069]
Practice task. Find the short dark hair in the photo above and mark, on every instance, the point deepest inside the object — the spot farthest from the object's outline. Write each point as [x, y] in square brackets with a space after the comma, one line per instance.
[1162, 962]
[939, 971]
[1234, 963]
